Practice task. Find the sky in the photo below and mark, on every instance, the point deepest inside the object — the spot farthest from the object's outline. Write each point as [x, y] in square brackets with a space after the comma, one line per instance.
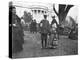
[73, 12]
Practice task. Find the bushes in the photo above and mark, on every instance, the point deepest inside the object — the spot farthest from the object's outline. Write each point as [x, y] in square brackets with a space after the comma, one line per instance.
[73, 34]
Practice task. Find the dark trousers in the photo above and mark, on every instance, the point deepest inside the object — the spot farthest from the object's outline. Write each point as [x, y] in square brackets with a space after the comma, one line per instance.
[44, 39]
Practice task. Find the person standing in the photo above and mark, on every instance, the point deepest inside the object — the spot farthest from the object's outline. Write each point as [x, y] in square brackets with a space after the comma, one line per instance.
[17, 32]
[54, 24]
[34, 26]
[44, 30]
[31, 26]
[54, 34]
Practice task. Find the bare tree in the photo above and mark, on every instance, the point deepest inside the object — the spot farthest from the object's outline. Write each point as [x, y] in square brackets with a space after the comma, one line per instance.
[63, 11]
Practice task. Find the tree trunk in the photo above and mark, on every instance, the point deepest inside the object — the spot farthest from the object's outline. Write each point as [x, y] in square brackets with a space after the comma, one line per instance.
[62, 17]
[63, 11]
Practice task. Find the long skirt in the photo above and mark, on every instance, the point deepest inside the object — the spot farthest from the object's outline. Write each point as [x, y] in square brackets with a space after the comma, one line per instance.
[17, 40]
[53, 40]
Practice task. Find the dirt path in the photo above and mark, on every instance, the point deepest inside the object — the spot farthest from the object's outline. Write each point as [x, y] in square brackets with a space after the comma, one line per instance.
[32, 47]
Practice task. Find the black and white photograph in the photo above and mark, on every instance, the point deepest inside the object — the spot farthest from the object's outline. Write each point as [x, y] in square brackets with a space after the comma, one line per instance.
[42, 29]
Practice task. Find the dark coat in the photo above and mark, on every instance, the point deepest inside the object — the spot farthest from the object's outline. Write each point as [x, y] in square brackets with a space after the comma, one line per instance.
[34, 26]
[31, 26]
[45, 26]
[17, 34]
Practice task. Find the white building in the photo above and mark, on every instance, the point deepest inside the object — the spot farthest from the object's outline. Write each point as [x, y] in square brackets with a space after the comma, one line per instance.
[36, 9]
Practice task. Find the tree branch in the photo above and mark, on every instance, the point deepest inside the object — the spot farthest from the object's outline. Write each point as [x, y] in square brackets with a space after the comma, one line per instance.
[61, 8]
[68, 7]
[55, 10]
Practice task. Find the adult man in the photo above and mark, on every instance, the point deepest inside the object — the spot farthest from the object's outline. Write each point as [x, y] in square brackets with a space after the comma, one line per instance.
[44, 27]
